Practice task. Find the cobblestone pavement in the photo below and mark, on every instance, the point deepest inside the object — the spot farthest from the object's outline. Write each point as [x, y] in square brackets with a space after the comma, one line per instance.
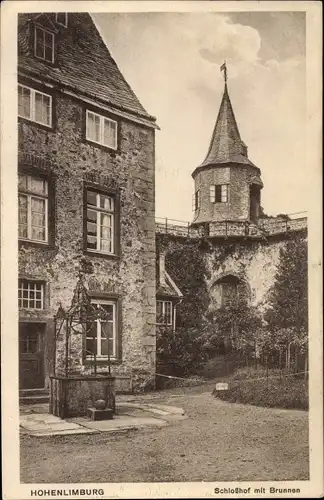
[219, 441]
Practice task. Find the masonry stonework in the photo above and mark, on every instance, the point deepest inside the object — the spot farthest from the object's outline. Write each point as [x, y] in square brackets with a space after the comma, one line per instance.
[72, 163]
[252, 262]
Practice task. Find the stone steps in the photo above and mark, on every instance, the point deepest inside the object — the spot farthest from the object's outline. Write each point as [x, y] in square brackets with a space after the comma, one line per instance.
[34, 396]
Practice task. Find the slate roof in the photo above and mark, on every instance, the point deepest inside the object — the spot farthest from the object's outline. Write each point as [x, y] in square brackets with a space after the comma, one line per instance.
[85, 64]
[226, 145]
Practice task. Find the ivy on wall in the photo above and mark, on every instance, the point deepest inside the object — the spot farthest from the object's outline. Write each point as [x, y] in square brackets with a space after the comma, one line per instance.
[186, 263]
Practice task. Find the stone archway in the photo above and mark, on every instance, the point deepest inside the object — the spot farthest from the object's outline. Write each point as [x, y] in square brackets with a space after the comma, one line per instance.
[228, 286]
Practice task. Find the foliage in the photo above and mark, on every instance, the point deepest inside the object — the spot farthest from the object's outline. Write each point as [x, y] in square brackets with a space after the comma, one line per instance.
[262, 214]
[190, 277]
[287, 313]
[179, 353]
[238, 321]
[283, 216]
[285, 392]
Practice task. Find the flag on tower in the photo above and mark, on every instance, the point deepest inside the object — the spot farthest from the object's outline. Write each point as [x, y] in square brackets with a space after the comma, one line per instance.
[223, 68]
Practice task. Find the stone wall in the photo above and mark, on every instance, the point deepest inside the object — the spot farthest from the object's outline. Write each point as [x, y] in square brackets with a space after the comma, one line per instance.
[131, 277]
[253, 262]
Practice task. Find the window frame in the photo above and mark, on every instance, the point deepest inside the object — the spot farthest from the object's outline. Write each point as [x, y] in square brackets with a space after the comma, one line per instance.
[41, 28]
[196, 200]
[102, 119]
[32, 106]
[29, 195]
[106, 297]
[66, 19]
[115, 195]
[213, 192]
[164, 321]
[21, 299]
[98, 338]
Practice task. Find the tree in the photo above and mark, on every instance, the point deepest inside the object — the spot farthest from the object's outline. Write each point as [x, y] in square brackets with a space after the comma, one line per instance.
[287, 315]
[190, 276]
[237, 323]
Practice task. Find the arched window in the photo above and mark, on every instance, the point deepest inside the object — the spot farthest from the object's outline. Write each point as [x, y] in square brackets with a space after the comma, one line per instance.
[228, 288]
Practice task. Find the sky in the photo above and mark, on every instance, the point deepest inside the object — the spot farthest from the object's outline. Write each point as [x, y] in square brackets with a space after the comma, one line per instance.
[172, 62]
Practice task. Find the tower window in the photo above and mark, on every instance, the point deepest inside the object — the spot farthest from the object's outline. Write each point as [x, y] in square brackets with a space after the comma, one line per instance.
[218, 193]
[196, 200]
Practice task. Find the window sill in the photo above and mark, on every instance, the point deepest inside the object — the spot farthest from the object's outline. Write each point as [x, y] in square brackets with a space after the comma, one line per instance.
[102, 362]
[109, 256]
[102, 146]
[48, 128]
[37, 244]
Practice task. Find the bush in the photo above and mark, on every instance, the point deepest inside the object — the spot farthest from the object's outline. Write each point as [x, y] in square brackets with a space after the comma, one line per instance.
[179, 353]
[287, 392]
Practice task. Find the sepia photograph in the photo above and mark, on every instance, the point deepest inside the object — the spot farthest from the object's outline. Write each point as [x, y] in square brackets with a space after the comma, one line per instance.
[161, 252]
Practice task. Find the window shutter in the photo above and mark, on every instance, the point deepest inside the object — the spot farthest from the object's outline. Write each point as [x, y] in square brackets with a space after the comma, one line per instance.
[212, 193]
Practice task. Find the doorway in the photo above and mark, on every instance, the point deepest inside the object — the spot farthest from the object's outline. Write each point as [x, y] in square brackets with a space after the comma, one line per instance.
[31, 355]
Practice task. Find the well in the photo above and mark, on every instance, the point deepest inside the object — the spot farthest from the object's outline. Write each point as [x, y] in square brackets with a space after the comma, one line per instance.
[72, 396]
[73, 390]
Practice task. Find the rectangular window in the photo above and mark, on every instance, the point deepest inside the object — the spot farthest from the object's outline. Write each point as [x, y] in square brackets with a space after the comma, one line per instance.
[196, 200]
[29, 343]
[33, 208]
[164, 312]
[35, 106]
[30, 294]
[101, 130]
[44, 44]
[101, 337]
[100, 222]
[62, 18]
[218, 193]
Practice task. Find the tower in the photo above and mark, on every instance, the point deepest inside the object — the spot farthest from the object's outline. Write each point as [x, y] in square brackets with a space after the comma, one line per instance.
[227, 184]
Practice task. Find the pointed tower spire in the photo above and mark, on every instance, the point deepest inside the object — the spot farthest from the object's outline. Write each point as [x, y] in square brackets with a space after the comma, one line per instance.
[226, 145]
[227, 183]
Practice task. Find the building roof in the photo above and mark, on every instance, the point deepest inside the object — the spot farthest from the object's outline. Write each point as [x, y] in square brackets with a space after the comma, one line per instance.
[226, 145]
[168, 288]
[85, 64]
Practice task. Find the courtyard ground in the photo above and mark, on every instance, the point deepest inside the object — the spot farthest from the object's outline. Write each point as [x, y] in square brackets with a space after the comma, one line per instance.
[219, 441]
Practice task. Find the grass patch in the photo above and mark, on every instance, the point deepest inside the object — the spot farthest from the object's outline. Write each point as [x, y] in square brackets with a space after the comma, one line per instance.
[250, 386]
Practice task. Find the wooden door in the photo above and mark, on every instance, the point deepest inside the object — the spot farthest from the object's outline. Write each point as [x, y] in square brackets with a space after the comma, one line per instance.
[31, 355]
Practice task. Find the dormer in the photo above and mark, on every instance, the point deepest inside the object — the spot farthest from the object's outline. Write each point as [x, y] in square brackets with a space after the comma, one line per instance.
[38, 37]
[61, 18]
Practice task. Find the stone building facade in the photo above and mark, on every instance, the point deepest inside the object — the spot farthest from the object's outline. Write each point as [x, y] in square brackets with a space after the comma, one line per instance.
[86, 199]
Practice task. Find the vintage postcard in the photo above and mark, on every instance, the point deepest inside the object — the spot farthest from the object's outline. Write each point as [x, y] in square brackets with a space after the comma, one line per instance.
[161, 258]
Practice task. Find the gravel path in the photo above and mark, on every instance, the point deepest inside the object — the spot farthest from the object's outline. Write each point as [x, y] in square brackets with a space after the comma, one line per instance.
[218, 442]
